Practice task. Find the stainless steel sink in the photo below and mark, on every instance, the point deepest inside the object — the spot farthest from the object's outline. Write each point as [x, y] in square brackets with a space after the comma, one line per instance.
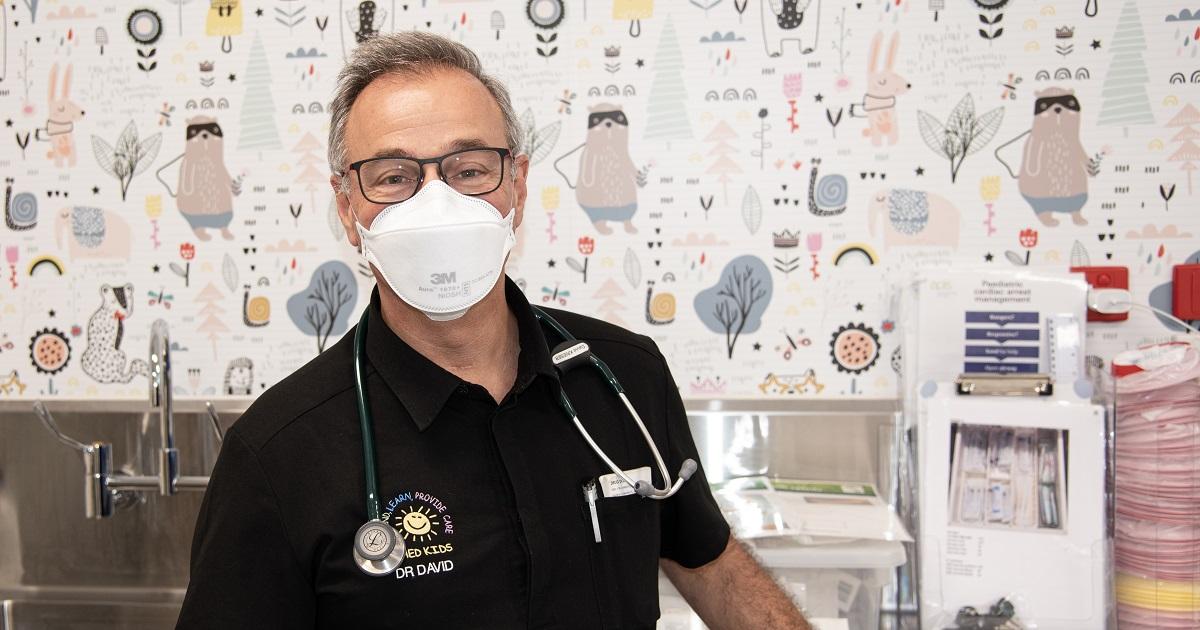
[59, 569]
[51, 614]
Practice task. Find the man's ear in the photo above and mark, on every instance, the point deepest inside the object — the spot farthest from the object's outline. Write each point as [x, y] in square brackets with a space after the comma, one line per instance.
[343, 208]
[520, 188]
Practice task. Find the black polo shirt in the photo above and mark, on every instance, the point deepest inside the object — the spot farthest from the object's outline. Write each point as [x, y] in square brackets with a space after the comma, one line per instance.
[489, 498]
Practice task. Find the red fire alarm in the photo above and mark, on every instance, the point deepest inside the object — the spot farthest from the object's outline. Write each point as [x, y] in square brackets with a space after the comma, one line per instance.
[1185, 292]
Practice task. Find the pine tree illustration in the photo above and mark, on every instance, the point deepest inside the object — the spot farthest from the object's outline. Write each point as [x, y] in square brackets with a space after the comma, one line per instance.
[1124, 100]
[723, 166]
[666, 114]
[258, 109]
[211, 315]
[1188, 152]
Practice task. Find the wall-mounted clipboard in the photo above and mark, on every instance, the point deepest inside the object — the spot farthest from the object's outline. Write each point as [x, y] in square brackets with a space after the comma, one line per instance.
[1012, 506]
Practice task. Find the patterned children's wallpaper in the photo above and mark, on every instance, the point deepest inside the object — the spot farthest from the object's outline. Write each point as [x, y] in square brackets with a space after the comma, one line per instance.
[735, 178]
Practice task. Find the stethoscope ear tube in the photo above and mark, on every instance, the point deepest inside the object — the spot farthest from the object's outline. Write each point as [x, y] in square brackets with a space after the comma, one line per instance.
[572, 353]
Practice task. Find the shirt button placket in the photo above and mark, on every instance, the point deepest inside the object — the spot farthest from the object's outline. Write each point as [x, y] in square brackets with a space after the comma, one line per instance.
[505, 484]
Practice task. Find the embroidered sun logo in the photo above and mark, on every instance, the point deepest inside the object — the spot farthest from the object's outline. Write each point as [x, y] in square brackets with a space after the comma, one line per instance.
[418, 523]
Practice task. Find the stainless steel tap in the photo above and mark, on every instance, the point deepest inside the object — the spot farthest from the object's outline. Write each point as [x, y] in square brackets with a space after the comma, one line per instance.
[160, 398]
[100, 484]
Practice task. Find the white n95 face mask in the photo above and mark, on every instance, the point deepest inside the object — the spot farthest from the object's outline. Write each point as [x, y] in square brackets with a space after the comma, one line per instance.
[441, 251]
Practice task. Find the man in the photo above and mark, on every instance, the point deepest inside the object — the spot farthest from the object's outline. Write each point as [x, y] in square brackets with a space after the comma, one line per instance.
[481, 473]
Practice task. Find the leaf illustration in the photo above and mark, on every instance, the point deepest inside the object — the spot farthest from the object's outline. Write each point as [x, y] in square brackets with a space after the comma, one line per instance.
[541, 53]
[229, 273]
[1014, 258]
[633, 268]
[985, 129]
[984, 34]
[527, 120]
[1079, 255]
[104, 153]
[127, 141]
[751, 210]
[546, 137]
[998, 33]
[983, 18]
[962, 116]
[540, 38]
[178, 270]
[552, 51]
[147, 151]
[932, 132]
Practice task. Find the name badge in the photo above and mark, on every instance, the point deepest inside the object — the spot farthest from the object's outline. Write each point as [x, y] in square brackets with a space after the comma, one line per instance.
[613, 486]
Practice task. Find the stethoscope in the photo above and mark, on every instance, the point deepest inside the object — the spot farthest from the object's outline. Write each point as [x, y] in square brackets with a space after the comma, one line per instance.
[379, 548]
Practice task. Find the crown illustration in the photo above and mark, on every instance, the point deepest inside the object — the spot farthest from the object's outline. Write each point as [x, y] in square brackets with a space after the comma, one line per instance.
[1064, 32]
[206, 66]
[612, 51]
[786, 238]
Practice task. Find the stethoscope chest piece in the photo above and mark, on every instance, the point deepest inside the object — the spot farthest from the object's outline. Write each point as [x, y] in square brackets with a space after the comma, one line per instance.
[378, 548]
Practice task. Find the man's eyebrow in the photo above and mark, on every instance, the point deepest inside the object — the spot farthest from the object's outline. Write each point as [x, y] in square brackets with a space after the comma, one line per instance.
[455, 145]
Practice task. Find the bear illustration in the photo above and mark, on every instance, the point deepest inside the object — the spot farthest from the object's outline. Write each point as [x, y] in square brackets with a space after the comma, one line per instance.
[205, 192]
[606, 187]
[1054, 166]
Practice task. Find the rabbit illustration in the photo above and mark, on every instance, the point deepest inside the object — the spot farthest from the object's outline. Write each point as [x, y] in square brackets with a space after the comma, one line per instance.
[883, 86]
[60, 123]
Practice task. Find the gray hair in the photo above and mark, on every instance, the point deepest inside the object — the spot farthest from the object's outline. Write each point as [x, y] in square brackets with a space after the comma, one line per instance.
[408, 52]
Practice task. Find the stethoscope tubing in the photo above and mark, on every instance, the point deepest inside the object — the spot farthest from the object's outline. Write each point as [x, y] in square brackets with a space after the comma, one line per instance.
[378, 559]
[364, 420]
[642, 488]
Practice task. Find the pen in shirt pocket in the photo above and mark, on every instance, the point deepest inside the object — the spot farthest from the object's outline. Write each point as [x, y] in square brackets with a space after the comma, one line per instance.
[590, 495]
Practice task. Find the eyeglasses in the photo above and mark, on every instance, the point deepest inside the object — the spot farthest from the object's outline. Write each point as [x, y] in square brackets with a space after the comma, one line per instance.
[392, 180]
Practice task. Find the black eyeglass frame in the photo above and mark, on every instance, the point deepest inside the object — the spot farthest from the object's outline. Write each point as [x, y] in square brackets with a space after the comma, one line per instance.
[421, 162]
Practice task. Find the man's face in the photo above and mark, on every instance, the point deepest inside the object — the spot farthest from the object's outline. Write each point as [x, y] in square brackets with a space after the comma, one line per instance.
[423, 116]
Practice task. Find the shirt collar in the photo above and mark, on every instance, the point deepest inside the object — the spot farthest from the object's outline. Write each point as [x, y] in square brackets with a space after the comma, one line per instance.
[422, 386]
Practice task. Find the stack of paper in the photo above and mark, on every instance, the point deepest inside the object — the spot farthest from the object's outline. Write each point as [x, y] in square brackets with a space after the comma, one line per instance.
[820, 512]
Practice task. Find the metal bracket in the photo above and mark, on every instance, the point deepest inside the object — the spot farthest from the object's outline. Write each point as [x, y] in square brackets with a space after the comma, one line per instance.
[972, 384]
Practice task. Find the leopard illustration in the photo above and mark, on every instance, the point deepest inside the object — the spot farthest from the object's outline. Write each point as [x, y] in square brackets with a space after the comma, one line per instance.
[103, 359]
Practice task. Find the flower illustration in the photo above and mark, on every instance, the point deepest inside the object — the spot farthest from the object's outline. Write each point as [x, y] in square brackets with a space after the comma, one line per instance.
[1029, 238]
[989, 188]
[587, 245]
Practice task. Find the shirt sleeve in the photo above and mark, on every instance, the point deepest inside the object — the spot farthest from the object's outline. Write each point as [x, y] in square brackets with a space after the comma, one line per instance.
[694, 532]
[244, 572]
